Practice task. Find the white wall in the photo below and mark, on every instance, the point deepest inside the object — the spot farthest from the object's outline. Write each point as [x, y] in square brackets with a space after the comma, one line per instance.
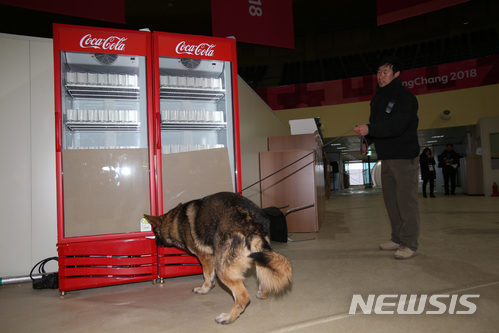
[257, 122]
[488, 125]
[27, 172]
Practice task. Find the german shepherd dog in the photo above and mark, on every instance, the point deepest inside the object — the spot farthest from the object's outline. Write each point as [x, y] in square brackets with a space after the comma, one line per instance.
[229, 234]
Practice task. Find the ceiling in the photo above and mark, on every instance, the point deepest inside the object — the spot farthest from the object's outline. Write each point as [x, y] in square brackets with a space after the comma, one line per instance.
[349, 146]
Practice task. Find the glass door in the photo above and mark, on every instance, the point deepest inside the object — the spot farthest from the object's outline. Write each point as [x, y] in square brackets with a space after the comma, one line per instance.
[105, 161]
[197, 128]
[196, 105]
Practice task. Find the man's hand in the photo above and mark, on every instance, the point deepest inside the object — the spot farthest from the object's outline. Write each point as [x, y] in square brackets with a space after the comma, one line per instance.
[362, 130]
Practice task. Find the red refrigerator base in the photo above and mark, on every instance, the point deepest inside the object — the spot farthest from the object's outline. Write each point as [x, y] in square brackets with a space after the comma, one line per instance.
[105, 263]
[175, 262]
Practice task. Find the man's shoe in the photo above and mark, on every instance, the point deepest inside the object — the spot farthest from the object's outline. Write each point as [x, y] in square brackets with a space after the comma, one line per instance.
[432, 196]
[424, 195]
[389, 246]
[405, 253]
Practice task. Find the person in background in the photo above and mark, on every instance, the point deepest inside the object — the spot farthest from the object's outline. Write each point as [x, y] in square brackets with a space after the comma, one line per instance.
[392, 127]
[428, 174]
[449, 162]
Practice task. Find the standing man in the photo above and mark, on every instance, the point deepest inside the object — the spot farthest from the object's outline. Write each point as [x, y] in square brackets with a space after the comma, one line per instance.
[393, 128]
[449, 161]
[428, 174]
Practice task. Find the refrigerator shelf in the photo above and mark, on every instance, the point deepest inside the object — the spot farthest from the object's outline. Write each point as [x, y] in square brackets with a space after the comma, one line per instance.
[192, 125]
[93, 91]
[102, 126]
[193, 94]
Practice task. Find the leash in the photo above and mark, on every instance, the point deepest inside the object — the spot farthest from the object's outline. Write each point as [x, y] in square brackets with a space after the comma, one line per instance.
[287, 166]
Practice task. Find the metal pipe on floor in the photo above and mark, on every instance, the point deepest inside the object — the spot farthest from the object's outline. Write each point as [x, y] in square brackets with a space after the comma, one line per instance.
[18, 279]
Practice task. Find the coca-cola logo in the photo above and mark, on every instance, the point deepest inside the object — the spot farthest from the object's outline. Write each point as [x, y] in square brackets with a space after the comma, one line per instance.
[110, 43]
[202, 49]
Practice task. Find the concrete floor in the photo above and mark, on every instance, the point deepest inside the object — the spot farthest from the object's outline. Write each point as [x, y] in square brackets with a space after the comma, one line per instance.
[459, 249]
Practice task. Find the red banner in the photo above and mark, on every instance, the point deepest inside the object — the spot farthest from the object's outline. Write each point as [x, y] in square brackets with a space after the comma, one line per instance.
[395, 10]
[109, 10]
[266, 22]
[420, 81]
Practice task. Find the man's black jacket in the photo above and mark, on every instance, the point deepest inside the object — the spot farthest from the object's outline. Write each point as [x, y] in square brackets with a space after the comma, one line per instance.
[394, 130]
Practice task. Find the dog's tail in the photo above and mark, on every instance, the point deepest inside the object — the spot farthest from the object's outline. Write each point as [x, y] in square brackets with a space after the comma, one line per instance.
[273, 270]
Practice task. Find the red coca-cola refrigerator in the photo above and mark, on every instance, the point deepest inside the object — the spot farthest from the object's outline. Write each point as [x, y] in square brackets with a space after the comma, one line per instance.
[139, 117]
[197, 126]
[104, 156]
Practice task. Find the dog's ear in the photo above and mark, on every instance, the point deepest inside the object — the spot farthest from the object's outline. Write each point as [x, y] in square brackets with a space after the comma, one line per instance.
[153, 220]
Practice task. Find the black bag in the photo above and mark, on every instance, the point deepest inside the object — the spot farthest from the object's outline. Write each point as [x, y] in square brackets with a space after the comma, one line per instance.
[278, 225]
[48, 280]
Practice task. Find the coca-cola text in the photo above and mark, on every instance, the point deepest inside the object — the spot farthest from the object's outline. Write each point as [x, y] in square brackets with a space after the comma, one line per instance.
[202, 49]
[110, 43]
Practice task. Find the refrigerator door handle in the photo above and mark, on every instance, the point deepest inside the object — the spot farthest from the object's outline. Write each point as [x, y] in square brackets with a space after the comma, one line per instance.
[58, 143]
[158, 130]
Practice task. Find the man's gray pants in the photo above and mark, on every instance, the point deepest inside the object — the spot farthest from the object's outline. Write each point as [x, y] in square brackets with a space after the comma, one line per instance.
[399, 180]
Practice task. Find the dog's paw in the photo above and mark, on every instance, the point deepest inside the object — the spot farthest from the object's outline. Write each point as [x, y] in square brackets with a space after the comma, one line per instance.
[262, 295]
[200, 291]
[203, 289]
[223, 319]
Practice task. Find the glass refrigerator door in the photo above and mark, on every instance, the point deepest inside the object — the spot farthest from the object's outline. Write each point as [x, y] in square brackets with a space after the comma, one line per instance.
[196, 115]
[104, 140]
